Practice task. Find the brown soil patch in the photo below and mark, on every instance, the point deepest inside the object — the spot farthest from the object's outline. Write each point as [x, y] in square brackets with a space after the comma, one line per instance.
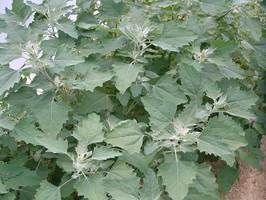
[251, 184]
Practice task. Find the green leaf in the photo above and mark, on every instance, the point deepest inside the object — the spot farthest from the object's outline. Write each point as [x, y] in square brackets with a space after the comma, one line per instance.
[112, 9]
[94, 102]
[6, 122]
[62, 57]
[204, 186]
[173, 37]
[162, 101]
[222, 137]
[121, 183]
[252, 154]
[214, 8]
[150, 189]
[90, 130]
[21, 10]
[9, 196]
[104, 153]
[3, 189]
[177, 175]
[8, 52]
[48, 191]
[239, 102]
[50, 114]
[191, 80]
[223, 59]
[25, 131]
[251, 26]
[226, 178]
[91, 188]
[260, 51]
[8, 78]
[15, 175]
[125, 75]
[68, 27]
[138, 160]
[103, 46]
[127, 135]
[89, 76]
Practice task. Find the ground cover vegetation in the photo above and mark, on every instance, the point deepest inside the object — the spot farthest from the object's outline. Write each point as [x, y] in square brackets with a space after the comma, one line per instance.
[130, 100]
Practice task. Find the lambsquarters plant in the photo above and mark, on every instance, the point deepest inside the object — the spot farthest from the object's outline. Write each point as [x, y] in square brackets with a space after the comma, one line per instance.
[130, 99]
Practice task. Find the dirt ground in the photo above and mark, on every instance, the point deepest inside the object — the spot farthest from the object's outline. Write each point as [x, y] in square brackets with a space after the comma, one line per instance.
[251, 184]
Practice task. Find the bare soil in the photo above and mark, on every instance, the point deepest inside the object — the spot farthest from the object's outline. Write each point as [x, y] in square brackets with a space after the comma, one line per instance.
[252, 183]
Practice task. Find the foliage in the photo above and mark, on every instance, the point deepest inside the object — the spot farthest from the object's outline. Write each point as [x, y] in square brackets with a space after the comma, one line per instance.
[130, 100]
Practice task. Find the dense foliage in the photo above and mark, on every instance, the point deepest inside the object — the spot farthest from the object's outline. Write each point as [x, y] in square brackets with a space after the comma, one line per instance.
[130, 99]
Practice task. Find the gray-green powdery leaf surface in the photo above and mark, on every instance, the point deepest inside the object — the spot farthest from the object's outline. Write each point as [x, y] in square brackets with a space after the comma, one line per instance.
[3, 189]
[103, 46]
[87, 76]
[223, 59]
[138, 160]
[162, 101]
[177, 175]
[8, 78]
[239, 102]
[191, 80]
[204, 186]
[21, 10]
[126, 135]
[68, 27]
[122, 183]
[13, 176]
[25, 131]
[104, 153]
[50, 114]
[90, 130]
[217, 8]
[8, 52]
[173, 37]
[91, 187]
[48, 191]
[9, 196]
[125, 75]
[96, 101]
[226, 177]
[7, 122]
[61, 56]
[151, 189]
[222, 137]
